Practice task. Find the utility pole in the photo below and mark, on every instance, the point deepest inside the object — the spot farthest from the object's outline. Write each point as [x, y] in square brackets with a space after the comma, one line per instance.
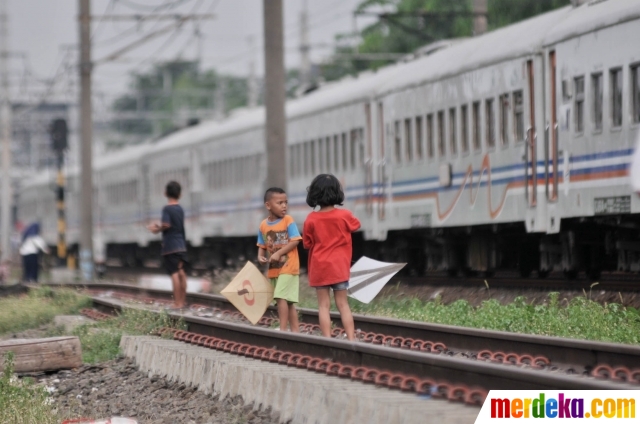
[219, 106]
[5, 123]
[275, 129]
[305, 63]
[86, 133]
[479, 17]
[252, 82]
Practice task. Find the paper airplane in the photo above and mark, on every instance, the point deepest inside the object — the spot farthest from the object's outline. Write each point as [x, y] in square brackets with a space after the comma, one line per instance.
[250, 292]
[369, 276]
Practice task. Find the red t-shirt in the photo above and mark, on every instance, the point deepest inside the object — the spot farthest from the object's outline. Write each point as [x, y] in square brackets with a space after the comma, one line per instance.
[327, 235]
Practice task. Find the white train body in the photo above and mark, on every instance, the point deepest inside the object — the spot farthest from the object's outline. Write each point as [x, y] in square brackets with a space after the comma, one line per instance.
[508, 149]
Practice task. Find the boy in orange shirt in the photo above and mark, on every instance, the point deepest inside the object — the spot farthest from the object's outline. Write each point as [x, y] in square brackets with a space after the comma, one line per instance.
[278, 238]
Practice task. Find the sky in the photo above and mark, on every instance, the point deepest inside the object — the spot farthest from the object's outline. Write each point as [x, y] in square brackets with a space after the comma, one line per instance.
[44, 36]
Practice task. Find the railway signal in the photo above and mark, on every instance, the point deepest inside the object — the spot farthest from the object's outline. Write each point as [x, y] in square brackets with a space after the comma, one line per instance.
[58, 132]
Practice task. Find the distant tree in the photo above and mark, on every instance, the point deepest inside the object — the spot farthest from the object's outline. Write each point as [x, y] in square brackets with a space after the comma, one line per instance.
[505, 12]
[404, 29]
[171, 88]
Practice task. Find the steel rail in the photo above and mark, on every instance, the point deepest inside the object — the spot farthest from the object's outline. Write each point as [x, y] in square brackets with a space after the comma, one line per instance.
[571, 354]
[458, 371]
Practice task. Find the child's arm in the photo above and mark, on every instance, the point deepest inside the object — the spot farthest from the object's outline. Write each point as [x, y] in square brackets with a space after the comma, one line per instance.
[288, 248]
[262, 251]
[262, 258]
[307, 240]
[353, 223]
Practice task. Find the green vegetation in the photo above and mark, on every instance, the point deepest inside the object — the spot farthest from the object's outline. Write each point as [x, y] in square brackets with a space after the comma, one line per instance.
[37, 308]
[100, 341]
[579, 318]
[407, 25]
[22, 402]
[170, 88]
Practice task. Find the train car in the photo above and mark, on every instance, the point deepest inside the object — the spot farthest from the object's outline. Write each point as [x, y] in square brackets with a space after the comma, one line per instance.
[506, 150]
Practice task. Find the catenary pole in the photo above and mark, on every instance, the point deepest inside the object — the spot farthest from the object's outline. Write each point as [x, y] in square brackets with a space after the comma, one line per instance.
[86, 130]
[5, 123]
[274, 93]
[305, 62]
[480, 17]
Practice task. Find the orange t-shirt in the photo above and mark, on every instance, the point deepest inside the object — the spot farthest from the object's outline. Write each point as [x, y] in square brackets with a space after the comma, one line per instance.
[327, 235]
[273, 236]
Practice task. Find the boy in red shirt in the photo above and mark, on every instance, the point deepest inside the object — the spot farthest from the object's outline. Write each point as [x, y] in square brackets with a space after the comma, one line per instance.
[327, 235]
[278, 237]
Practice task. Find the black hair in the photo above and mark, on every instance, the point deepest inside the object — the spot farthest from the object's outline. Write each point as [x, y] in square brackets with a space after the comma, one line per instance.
[325, 190]
[173, 190]
[271, 191]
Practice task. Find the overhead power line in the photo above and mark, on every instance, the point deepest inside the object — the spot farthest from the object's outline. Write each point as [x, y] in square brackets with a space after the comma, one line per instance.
[156, 17]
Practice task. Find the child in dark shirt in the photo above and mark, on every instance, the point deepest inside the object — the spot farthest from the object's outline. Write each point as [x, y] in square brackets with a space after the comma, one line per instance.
[174, 245]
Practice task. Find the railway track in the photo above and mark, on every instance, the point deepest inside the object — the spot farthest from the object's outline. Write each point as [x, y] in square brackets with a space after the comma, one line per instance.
[461, 357]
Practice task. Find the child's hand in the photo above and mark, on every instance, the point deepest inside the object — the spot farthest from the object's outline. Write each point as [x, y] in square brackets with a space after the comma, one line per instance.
[154, 228]
[262, 259]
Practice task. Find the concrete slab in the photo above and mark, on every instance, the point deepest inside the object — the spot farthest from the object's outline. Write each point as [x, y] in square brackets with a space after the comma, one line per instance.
[298, 395]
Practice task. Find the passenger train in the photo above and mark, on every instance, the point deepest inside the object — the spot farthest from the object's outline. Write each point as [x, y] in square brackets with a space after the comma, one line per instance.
[508, 150]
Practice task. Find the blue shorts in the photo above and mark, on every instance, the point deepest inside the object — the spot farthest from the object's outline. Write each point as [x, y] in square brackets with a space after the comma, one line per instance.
[336, 287]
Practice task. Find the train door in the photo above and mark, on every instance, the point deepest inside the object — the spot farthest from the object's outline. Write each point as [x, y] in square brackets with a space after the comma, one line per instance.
[530, 156]
[195, 191]
[145, 186]
[368, 162]
[551, 136]
[382, 166]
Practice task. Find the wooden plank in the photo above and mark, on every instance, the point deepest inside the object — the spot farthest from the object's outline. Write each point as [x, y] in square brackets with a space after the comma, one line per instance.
[50, 354]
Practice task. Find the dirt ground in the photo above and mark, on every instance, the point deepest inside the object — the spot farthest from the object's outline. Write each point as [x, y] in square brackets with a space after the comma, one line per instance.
[116, 388]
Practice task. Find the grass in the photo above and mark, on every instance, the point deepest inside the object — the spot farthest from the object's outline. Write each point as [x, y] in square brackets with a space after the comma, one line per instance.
[579, 318]
[100, 341]
[38, 308]
[22, 402]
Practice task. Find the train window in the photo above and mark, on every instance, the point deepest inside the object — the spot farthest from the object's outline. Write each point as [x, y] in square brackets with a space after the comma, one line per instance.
[321, 155]
[518, 115]
[397, 142]
[345, 153]
[419, 138]
[453, 123]
[327, 145]
[477, 144]
[578, 104]
[291, 161]
[408, 139]
[295, 168]
[491, 123]
[504, 119]
[635, 92]
[464, 127]
[305, 150]
[596, 91]
[361, 144]
[312, 150]
[441, 145]
[336, 153]
[430, 148]
[616, 96]
[353, 153]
